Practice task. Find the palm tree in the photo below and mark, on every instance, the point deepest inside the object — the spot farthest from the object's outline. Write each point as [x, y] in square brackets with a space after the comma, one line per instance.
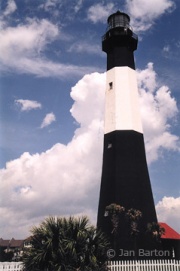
[134, 216]
[155, 231]
[66, 244]
[114, 211]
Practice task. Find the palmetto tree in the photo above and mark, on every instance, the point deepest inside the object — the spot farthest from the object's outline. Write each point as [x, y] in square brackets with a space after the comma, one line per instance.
[114, 211]
[134, 216]
[66, 244]
[155, 231]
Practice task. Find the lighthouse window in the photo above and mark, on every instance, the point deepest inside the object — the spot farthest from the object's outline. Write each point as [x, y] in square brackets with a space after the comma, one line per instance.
[109, 145]
[110, 85]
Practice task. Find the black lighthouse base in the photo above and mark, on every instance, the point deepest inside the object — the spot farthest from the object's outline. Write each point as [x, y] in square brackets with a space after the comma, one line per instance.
[125, 182]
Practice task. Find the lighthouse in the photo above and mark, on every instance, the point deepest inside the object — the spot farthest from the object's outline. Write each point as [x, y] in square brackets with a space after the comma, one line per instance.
[125, 179]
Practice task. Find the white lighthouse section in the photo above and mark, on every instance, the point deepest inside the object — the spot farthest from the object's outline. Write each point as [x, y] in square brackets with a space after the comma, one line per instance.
[122, 104]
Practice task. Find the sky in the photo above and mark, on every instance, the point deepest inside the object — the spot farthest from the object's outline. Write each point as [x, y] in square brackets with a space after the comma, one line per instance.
[52, 88]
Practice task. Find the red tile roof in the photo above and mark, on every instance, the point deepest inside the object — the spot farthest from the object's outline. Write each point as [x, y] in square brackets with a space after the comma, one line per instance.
[169, 232]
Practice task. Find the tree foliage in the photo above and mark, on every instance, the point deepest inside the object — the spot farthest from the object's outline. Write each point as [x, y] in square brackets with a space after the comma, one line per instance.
[66, 244]
[114, 211]
[155, 231]
[134, 216]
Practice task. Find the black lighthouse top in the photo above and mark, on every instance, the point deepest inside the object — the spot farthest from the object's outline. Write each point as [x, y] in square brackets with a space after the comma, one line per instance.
[118, 19]
[119, 41]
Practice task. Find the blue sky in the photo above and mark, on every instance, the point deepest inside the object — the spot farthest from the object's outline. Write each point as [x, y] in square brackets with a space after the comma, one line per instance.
[52, 82]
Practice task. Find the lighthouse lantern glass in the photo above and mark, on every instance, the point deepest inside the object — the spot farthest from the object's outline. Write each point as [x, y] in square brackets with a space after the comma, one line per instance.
[118, 20]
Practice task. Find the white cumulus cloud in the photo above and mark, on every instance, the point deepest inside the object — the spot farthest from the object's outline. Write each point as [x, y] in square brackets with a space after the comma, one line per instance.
[158, 110]
[166, 48]
[28, 39]
[11, 7]
[100, 12]
[65, 180]
[22, 50]
[48, 119]
[84, 47]
[78, 5]
[27, 105]
[144, 13]
[168, 211]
